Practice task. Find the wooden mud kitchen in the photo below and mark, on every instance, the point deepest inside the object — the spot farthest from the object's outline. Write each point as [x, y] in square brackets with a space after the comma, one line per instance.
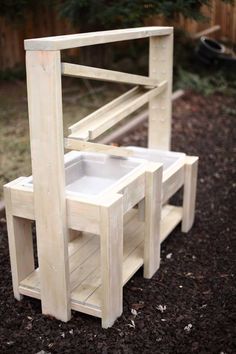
[101, 211]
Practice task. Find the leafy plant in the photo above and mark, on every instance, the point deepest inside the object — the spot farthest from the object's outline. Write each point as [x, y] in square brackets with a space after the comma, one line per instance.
[16, 10]
[204, 84]
[106, 14]
[229, 110]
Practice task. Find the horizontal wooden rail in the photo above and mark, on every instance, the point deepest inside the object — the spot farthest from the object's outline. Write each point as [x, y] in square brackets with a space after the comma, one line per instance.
[86, 39]
[105, 75]
[94, 125]
[94, 116]
[75, 144]
[132, 124]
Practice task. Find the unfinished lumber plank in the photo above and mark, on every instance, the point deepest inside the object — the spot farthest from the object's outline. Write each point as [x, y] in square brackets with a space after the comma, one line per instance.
[22, 203]
[152, 219]
[103, 110]
[133, 123]
[171, 216]
[87, 295]
[32, 281]
[92, 38]
[75, 144]
[90, 289]
[84, 308]
[78, 242]
[20, 242]
[82, 214]
[73, 234]
[84, 252]
[133, 262]
[190, 187]
[89, 72]
[111, 235]
[132, 189]
[172, 183]
[160, 67]
[79, 274]
[131, 265]
[47, 152]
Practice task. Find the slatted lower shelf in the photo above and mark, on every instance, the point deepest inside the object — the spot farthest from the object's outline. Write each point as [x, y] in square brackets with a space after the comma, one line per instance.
[84, 253]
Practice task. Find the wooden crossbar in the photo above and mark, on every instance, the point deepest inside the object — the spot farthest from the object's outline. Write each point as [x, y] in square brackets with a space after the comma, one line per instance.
[75, 144]
[89, 72]
[103, 110]
[97, 123]
[92, 38]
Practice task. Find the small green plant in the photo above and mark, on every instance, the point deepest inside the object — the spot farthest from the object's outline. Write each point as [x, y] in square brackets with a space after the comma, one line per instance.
[229, 110]
[205, 84]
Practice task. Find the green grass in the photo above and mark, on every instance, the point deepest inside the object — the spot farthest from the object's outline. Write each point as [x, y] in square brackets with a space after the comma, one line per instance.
[205, 83]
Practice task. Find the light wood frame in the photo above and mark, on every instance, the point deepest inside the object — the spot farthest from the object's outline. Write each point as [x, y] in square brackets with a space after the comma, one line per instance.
[128, 238]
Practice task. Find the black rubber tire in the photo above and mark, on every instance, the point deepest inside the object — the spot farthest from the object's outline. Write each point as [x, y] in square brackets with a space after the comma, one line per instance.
[212, 46]
[210, 50]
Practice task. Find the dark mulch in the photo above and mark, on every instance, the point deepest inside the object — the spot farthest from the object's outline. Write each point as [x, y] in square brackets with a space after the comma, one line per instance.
[196, 284]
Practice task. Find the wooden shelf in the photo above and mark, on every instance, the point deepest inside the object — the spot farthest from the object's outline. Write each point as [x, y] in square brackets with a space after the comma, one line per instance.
[84, 253]
[170, 217]
[104, 118]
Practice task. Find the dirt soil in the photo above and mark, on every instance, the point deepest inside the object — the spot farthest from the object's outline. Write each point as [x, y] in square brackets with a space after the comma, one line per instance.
[189, 305]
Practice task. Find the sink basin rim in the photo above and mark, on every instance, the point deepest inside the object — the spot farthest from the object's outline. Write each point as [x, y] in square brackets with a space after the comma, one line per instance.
[71, 158]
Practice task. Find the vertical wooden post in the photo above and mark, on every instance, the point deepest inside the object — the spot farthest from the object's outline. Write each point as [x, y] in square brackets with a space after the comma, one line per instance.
[160, 68]
[111, 234]
[152, 219]
[190, 187]
[47, 153]
[20, 243]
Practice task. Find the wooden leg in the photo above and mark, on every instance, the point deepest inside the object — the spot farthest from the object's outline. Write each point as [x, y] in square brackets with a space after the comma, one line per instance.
[190, 186]
[47, 153]
[152, 219]
[111, 231]
[160, 68]
[20, 245]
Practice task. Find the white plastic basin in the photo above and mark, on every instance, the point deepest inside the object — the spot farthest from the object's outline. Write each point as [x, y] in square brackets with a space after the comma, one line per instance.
[90, 174]
[170, 160]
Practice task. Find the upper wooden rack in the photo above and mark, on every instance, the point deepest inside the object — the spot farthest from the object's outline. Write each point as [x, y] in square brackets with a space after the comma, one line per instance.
[96, 123]
[112, 113]
[89, 72]
[86, 39]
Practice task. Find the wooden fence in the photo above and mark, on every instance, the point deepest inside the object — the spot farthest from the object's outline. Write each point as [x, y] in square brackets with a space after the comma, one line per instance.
[44, 22]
